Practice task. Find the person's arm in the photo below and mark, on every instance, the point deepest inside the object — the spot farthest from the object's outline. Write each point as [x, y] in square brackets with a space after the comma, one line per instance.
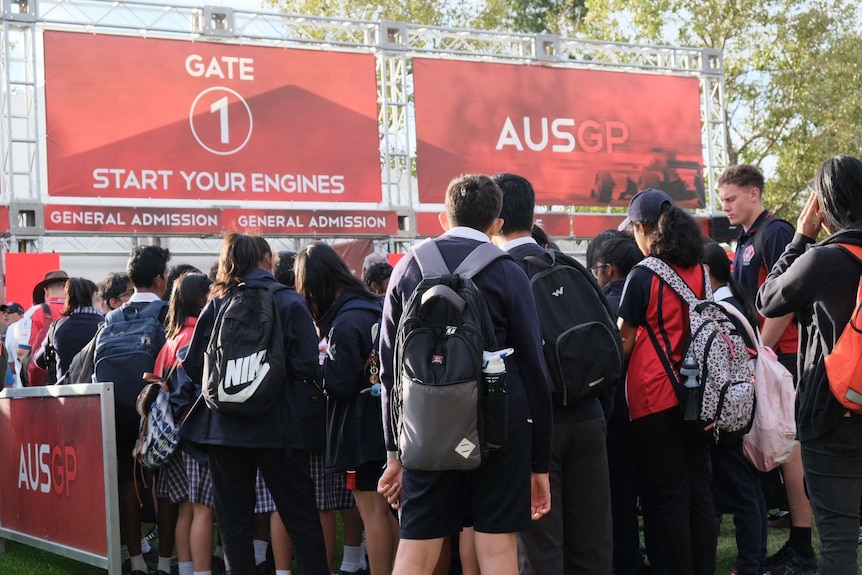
[24, 333]
[392, 310]
[344, 361]
[526, 337]
[788, 286]
[628, 333]
[39, 355]
[300, 342]
[633, 305]
[194, 359]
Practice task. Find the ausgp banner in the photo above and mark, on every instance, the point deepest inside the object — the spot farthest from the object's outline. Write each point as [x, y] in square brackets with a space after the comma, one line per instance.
[582, 137]
[150, 118]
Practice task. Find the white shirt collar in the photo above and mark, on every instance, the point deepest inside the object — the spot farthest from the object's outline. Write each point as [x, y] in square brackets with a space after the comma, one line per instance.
[519, 242]
[468, 233]
[143, 297]
[722, 293]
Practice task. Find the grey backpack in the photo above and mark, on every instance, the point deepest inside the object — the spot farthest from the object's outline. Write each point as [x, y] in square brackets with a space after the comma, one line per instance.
[443, 416]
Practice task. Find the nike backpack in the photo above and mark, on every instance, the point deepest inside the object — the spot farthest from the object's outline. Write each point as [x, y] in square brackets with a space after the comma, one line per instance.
[244, 362]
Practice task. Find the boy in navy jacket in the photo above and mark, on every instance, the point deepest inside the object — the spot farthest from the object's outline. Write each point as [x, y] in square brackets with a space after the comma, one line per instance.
[511, 487]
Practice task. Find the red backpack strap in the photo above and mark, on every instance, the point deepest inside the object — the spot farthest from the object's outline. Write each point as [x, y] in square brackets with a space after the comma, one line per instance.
[856, 252]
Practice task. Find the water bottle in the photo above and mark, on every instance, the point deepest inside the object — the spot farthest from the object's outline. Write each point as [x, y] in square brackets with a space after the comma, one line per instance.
[688, 373]
[494, 371]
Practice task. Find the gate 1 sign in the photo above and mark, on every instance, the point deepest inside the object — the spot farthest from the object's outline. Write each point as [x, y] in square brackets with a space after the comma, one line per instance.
[150, 118]
[582, 137]
[52, 481]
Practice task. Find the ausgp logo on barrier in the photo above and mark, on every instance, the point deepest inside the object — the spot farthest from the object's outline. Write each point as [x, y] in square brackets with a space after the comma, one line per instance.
[58, 484]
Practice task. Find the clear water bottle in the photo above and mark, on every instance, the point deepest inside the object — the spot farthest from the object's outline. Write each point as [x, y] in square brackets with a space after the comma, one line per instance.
[688, 373]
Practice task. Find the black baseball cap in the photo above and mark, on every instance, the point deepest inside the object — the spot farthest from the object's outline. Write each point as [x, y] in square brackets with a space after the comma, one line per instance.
[646, 206]
[12, 307]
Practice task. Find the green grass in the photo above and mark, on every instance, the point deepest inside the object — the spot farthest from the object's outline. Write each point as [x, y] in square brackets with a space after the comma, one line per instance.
[22, 560]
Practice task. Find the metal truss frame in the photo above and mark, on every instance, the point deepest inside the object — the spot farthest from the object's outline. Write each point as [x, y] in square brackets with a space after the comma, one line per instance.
[394, 44]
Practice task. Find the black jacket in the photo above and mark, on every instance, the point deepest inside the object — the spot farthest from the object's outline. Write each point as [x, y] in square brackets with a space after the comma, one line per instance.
[278, 427]
[818, 283]
[354, 422]
[71, 334]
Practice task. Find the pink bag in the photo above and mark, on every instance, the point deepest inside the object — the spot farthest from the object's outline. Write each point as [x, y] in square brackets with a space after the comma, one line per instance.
[772, 438]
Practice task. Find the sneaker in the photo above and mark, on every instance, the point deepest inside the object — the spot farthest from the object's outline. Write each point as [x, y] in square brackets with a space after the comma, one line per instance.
[787, 561]
[152, 534]
[860, 535]
[779, 520]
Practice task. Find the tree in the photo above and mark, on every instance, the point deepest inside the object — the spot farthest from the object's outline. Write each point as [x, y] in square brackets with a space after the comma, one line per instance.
[791, 68]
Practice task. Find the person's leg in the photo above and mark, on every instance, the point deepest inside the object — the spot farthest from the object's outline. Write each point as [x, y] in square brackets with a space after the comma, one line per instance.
[167, 514]
[622, 472]
[467, 552]
[287, 475]
[201, 537]
[354, 550]
[542, 541]
[586, 505]
[497, 553]
[704, 528]
[660, 447]
[282, 547]
[233, 472]
[130, 522]
[737, 490]
[417, 556]
[380, 527]
[183, 531]
[834, 467]
[444, 563]
[328, 524]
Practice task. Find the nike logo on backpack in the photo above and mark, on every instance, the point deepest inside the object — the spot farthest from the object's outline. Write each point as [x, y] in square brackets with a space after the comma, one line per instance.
[245, 370]
[557, 292]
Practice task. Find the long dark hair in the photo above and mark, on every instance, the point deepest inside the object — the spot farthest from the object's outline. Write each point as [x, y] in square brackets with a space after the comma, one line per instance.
[676, 238]
[188, 297]
[719, 267]
[321, 274]
[79, 293]
[838, 184]
[240, 254]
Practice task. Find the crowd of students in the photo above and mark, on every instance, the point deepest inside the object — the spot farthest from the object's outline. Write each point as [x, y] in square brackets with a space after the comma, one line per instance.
[565, 489]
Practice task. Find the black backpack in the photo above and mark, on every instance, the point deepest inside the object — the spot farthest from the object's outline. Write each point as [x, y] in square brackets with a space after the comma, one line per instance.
[443, 417]
[126, 348]
[582, 343]
[244, 362]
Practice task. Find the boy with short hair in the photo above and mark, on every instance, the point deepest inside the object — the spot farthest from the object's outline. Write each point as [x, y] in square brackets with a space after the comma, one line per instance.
[511, 487]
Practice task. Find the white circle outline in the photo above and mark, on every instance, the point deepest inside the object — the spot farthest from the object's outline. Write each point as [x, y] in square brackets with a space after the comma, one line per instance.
[192, 123]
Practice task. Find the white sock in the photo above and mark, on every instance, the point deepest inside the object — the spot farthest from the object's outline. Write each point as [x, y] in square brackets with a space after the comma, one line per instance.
[138, 564]
[145, 546]
[124, 552]
[282, 572]
[185, 568]
[164, 564]
[260, 551]
[353, 558]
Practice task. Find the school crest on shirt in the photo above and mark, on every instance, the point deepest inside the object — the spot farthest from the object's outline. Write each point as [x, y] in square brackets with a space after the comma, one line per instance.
[747, 254]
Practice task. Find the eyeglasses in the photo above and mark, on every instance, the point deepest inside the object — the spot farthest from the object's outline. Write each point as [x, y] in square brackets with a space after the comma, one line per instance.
[595, 269]
[126, 294]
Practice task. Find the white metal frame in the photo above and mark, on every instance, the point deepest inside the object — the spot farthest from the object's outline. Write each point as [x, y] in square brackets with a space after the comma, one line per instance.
[394, 44]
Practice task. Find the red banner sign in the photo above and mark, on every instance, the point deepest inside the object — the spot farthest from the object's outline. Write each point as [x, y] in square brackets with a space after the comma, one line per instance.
[555, 224]
[582, 137]
[150, 118]
[52, 481]
[192, 221]
[4, 219]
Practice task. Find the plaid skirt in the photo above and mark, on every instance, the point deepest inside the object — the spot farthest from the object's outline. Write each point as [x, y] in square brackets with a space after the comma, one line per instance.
[330, 489]
[171, 480]
[200, 481]
[263, 502]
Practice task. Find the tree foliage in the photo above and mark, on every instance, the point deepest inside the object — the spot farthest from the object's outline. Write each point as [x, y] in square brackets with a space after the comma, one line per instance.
[791, 72]
[792, 67]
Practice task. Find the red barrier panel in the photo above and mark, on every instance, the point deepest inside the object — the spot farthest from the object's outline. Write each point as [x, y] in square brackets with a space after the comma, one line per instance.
[58, 482]
[582, 137]
[150, 118]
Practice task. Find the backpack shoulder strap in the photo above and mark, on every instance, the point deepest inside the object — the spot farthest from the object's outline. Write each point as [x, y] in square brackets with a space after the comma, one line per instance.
[730, 309]
[48, 315]
[152, 309]
[760, 233]
[853, 250]
[430, 260]
[479, 259]
[669, 276]
[543, 262]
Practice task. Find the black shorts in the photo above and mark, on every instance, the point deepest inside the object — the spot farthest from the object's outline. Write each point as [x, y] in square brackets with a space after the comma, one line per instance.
[366, 476]
[496, 496]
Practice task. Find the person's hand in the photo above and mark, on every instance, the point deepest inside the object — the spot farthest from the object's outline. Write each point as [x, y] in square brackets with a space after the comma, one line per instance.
[540, 495]
[389, 484]
[809, 223]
